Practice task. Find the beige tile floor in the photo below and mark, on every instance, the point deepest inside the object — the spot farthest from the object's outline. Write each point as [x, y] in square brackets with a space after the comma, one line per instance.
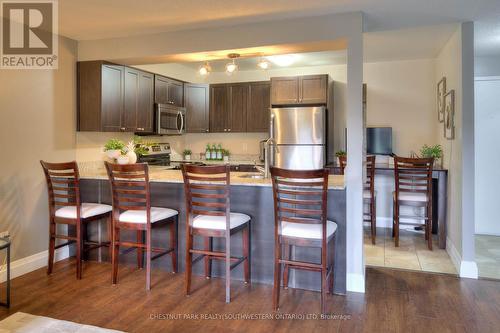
[488, 256]
[411, 254]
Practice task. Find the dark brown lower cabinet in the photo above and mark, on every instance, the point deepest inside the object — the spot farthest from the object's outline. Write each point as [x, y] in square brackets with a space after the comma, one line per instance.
[197, 106]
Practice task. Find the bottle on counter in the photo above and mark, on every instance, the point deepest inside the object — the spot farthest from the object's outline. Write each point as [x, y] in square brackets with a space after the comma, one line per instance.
[219, 152]
[213, 152]
[207, 153]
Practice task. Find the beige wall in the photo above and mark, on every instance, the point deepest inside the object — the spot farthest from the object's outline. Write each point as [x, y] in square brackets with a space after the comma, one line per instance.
[448, 64]
[37, 115]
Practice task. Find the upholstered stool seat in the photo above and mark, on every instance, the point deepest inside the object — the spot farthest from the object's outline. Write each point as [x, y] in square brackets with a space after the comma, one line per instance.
[88, 210]
[367, 194]
[305, 230]
[139, 216]
[219, 222]
[412, 196]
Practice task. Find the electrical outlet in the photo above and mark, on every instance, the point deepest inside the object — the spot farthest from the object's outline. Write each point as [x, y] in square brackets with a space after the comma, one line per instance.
[4, 234]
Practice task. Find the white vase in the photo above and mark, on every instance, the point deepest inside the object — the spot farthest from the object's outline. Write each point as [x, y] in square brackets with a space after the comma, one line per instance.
[132, 157]
[122, 159]
[226, 158]
[187, 157]
[114, 153]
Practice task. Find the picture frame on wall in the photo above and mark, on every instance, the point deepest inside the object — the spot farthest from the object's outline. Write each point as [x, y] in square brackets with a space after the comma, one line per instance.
[449, 115]
[441, 91]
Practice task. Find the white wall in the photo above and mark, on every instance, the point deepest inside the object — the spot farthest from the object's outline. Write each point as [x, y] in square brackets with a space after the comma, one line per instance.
[487, 66]
[487, 135]
[38, 118]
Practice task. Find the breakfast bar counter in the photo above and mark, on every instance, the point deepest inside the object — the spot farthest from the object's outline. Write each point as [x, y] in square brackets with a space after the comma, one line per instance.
[251, 196]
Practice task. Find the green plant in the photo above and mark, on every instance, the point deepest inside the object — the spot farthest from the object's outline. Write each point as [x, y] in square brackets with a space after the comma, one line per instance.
[340, 153]
[435, 151]
[226, 152]
[141, 145]
[187, 152]
[114, 144]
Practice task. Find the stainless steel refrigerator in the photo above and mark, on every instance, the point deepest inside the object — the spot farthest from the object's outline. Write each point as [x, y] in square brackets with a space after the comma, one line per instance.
[299, 137]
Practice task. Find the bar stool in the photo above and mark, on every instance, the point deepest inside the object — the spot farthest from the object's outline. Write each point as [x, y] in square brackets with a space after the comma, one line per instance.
[300, 208]
[132, 210]
[65, 207]
[413, 187]
[369, 193]
[208, 214]
[370, 197]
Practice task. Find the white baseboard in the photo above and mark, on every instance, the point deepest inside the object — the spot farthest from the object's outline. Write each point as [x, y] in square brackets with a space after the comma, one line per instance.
[31, 263]
[355, 282]
[466, 269]
[384, 222]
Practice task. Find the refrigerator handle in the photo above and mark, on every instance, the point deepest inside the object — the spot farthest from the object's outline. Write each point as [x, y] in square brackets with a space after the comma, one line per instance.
[271, 125]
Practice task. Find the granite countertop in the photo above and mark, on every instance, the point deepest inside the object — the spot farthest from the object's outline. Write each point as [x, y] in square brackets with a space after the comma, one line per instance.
[161, 174]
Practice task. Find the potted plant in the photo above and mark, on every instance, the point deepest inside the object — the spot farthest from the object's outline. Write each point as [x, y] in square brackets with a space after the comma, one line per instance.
[435, 151]
[341, 153]
[113, 148]
[225, 155]
[123, 158]
[187, 154]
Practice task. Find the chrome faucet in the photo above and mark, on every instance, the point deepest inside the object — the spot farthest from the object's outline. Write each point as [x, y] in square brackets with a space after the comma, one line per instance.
[269, 142]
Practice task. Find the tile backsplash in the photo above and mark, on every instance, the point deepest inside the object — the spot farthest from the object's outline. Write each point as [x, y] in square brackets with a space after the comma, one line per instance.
[89, 145]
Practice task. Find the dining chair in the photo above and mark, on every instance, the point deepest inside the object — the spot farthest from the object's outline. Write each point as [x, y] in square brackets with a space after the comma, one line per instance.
[413, 187]
[300, 209]
[65, 207]
[132, 210]
[370, 197]
[209, 215]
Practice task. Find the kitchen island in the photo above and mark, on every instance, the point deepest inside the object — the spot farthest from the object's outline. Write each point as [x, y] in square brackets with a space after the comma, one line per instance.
[251, 196]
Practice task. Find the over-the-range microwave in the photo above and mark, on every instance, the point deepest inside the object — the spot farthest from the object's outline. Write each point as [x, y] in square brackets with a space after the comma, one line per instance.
[170, 119]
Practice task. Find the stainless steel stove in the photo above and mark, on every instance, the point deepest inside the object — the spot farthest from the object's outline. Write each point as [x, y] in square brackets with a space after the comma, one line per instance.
[158, 154]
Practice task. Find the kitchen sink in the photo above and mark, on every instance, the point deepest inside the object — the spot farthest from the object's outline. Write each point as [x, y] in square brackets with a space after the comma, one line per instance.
[252, 176]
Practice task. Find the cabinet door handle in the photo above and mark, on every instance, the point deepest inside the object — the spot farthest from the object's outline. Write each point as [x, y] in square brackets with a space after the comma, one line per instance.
[140, 129]
[229, 130]
[122, 128]
[225, 129]
[206, 130]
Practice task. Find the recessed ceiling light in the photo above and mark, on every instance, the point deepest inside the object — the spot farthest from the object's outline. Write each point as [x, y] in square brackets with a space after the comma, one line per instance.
[283, 60]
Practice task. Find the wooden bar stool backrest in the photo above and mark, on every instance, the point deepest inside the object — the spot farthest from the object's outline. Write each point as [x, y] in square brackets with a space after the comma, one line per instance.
[207, 191]
[342, 163]
[370, 174]
[129, 188]
[63, 184]
[413, 175]
[300, 196]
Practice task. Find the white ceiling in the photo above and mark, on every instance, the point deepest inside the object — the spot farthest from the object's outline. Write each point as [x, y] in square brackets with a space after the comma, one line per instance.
[97, 19]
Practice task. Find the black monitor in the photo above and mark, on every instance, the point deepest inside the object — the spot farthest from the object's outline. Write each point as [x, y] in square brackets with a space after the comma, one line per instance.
[379, 140]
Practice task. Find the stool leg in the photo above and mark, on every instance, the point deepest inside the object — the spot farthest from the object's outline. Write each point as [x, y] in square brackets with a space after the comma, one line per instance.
[372, 219]
[79, 250]
[140, 251]
[116, 252]
[324, 285]
[277, 275]
[246, 252]
[429, 226]
[173, 244]
[189, 260]
[148, 259]
[286, 268]
[208, 262]
[52, 245]
[109, 225]
[332, 264]
[228, 267]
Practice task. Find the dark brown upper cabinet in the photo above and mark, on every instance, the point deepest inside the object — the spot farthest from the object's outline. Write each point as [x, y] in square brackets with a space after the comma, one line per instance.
[219, 107]
[114, 98]
[169, 91]
[238, 105]
[296, 90]
[259, 103]
[196, 101]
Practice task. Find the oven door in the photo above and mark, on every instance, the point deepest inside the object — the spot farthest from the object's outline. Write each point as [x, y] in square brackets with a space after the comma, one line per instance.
[170, 120]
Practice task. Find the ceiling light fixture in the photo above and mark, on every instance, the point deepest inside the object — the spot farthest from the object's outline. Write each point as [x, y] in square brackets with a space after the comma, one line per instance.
[283, 60]
[263, 64]
[205, 69]
[232, 67]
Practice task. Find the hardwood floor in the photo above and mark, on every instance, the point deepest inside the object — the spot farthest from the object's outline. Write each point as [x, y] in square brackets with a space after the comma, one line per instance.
[395, 301]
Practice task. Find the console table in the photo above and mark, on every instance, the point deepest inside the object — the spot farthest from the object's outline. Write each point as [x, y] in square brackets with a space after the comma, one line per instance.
[5, 245]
